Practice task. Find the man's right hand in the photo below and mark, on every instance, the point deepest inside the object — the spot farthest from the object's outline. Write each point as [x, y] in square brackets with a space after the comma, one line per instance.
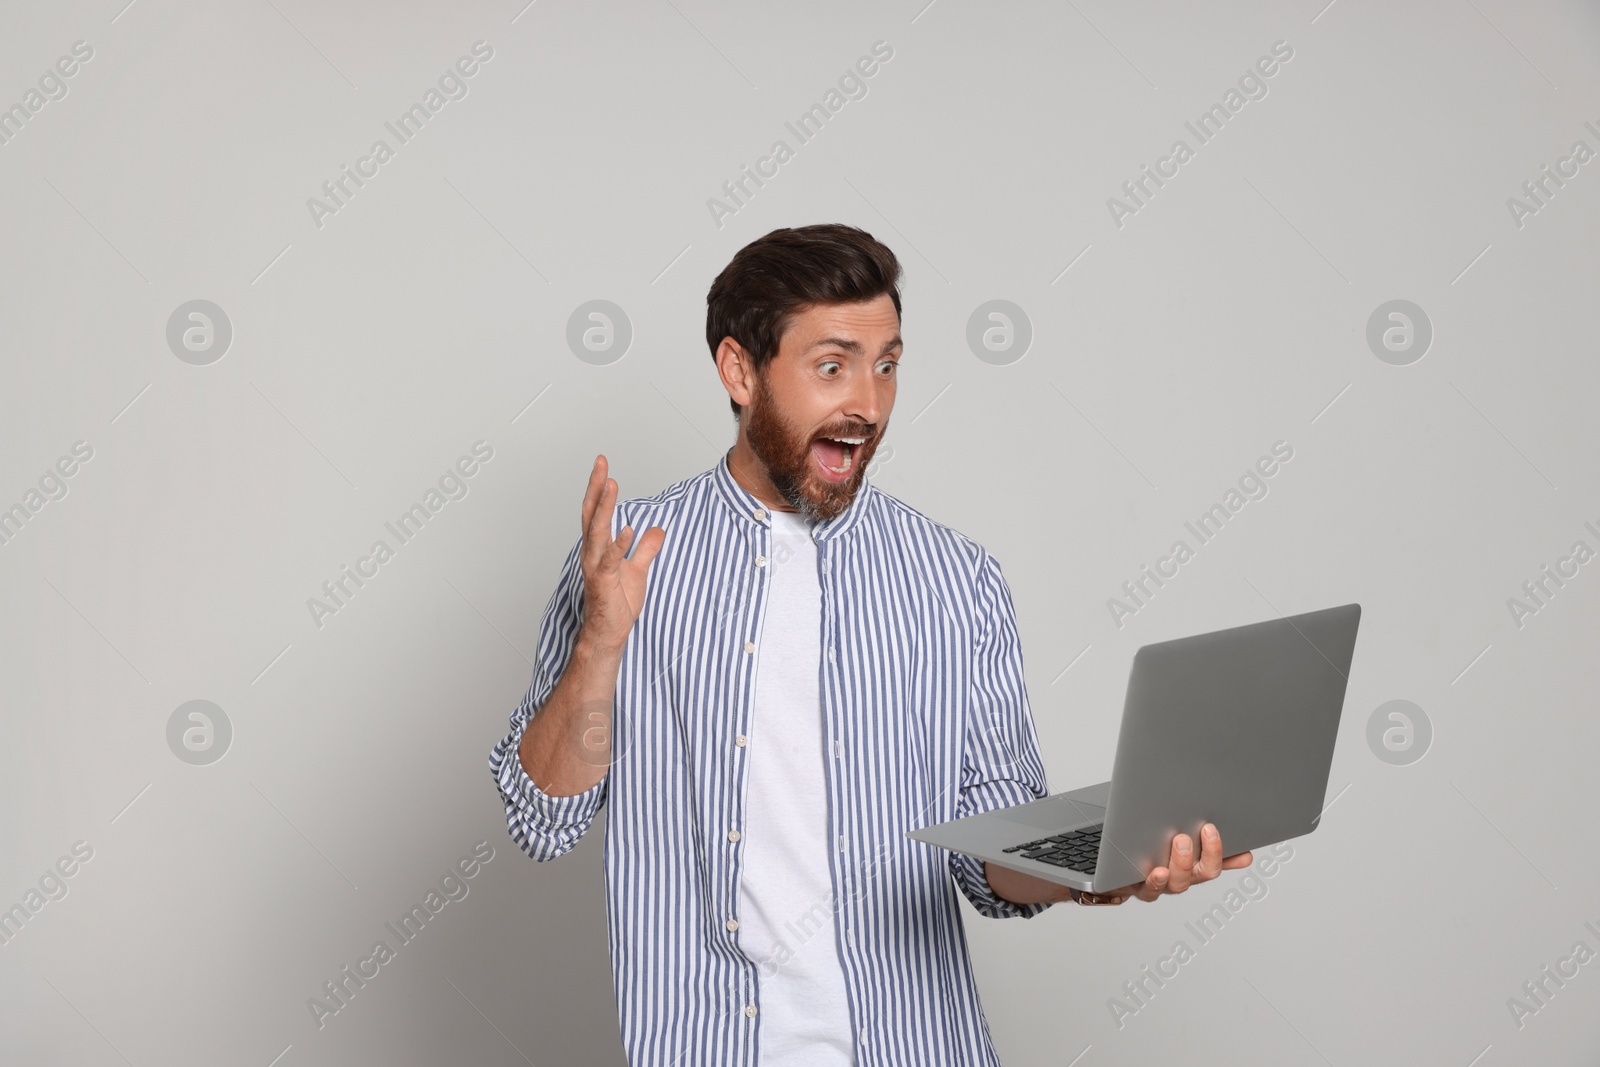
[613, 584]
[567, 746]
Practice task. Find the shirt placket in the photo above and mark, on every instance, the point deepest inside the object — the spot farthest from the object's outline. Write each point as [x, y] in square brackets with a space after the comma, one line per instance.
[746, 1007]
[837, 758]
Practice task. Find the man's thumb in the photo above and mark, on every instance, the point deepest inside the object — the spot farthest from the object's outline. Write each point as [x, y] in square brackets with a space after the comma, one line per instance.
[649, 545]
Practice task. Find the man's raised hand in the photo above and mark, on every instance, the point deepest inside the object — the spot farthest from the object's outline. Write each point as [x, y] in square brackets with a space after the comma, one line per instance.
[613, 584]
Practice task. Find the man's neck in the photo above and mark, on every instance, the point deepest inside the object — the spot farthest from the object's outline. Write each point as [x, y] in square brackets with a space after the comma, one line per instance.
[751, 474]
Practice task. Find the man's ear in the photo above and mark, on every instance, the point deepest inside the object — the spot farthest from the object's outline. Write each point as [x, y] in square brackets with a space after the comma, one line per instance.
[737, 372]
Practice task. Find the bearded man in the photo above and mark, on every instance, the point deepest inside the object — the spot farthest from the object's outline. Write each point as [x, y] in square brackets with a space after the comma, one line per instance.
[790, 671]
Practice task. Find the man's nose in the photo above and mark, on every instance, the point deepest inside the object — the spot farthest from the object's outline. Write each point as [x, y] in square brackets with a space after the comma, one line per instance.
[862, 403]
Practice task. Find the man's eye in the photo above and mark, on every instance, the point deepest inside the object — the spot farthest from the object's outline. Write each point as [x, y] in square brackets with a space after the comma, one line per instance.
[830, 363]
[890, 365]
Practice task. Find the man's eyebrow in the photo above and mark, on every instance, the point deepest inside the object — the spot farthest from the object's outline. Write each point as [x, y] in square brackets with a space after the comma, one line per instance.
[853, 346]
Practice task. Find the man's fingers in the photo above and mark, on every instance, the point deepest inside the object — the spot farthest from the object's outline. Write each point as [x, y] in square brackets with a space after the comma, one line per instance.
[1181, 864]
[624, 537]
[592, 499]
[1184, 869]
[1210, 854]
[597, 540]
[649, 545]
[591, 492]
[617, 550]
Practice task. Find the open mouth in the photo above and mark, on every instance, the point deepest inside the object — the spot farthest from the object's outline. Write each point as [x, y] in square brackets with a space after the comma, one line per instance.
[836, 456]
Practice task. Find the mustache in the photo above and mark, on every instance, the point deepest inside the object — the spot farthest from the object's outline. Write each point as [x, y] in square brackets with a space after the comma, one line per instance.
[868, 432]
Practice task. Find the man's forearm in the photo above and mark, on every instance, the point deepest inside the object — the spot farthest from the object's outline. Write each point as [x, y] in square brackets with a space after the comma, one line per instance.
[566, 748]
[1021, 888]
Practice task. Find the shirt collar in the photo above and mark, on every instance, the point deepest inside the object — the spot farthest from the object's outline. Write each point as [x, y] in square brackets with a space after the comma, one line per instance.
[744, 504]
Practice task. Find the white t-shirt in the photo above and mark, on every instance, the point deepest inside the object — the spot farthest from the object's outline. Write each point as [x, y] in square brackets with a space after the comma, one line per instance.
[787, 921]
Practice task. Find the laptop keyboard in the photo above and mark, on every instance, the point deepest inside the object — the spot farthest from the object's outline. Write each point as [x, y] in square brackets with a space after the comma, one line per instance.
[1076, 850]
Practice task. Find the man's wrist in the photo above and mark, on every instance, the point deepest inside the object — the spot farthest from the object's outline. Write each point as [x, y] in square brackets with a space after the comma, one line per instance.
[1017, 888]
[591, 649]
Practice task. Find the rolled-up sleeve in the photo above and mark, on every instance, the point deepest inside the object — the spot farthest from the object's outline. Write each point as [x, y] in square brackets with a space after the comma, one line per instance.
[1001, 765]
[542, 825]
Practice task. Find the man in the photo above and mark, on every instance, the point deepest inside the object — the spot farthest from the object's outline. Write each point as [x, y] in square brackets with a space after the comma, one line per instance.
[791, 671]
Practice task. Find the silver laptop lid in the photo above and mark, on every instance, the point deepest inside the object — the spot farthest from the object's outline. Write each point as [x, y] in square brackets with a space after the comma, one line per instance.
[1236, 727]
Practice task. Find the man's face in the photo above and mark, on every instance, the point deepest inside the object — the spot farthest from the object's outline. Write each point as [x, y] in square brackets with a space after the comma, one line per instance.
[819, 409]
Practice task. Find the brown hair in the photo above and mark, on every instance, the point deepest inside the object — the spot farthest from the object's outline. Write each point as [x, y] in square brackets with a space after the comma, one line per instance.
[774, 277]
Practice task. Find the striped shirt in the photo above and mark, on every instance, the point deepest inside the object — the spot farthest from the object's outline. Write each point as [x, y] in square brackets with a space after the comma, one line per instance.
[925, 718]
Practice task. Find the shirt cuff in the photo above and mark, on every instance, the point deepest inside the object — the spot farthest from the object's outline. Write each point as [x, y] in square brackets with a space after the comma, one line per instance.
[969, 874]
[968, 870]
[559, 821]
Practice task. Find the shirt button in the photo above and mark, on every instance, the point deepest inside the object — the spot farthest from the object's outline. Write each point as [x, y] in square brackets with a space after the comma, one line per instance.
[761, 561]
[830, 655]
[741, 740]
[732, 924]
[759, 513]
[749, 646]
[733, 835]
[750, 1011]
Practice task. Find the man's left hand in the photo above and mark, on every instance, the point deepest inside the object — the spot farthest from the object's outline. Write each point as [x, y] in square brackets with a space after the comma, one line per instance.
[1182, 870]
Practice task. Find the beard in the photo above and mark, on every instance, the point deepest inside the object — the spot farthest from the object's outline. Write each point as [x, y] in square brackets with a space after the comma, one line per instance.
[785, 451]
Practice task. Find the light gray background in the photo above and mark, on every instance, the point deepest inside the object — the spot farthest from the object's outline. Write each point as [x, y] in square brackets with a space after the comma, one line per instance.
[370, 353]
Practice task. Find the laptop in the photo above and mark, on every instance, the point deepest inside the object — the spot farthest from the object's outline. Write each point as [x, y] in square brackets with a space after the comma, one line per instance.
[1234, 727]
